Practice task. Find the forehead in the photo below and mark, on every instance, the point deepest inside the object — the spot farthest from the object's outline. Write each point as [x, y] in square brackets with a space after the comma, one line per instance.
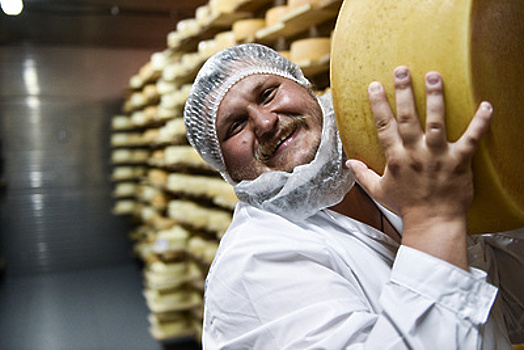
[249, 86]
[254, 81]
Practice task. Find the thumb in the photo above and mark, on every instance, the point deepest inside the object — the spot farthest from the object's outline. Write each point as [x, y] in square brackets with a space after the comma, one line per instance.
[366, 177]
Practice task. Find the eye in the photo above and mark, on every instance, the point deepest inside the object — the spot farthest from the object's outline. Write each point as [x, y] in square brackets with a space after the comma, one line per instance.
[267, 95]
[236, 126]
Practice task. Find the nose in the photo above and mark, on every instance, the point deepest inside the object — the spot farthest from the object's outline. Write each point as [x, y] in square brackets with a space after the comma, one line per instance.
[263, 120]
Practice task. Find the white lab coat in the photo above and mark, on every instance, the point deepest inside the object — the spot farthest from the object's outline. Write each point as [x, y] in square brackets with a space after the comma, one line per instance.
[331, 282]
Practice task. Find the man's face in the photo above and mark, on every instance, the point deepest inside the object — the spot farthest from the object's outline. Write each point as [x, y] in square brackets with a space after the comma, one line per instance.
[267, 122]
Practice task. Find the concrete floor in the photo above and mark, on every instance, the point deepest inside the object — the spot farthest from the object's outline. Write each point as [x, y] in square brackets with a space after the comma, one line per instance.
[97, 309]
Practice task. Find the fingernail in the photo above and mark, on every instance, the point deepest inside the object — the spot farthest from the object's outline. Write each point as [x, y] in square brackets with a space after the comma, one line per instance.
[432, 79]
[401, 73]
[374, 86]
[352, 164]
[487, 106]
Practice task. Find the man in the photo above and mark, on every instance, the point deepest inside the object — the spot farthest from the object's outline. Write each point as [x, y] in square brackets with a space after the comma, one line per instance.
[292, 274]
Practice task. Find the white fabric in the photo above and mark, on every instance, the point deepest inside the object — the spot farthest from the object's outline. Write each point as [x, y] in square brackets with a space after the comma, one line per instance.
[330, 282]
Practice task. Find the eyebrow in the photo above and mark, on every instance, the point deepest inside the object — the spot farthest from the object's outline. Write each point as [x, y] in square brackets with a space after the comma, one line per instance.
[256, 89]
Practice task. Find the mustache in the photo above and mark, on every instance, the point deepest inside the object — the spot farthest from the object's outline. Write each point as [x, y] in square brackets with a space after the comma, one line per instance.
[284, 129]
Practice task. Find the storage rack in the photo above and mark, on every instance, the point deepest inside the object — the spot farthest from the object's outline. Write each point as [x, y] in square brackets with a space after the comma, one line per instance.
[180, 205]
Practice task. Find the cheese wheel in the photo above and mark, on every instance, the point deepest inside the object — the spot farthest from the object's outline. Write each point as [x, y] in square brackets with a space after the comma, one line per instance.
[159, 60]
[125, 189]
[184, 156]
[157, 158]
[157, 176]
[212, 189]
[124, 206]
[121, 173]
[223, 6]
[126, 139]
[121, 122]
[477, 47]
[246, 28]
[150, 94]
[188, 27]
[174, 38]
[203, 15]
[309, 49]
[274, 14]
[225, 40]
[200, 217]
[150, 136]
[298, 3]
[207, 48]
[173, 131]
[135, 82]
[164, 87]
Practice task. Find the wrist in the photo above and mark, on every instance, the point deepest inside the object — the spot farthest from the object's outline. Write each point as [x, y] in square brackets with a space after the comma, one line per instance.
[443, 236]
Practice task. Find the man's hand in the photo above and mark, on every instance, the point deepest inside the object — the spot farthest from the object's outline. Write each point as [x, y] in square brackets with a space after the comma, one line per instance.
[427, 180]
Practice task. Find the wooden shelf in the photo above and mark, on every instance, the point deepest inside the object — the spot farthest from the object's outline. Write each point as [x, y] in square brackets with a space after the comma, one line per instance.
[218, 23]
[314, 67]
[252, 5]
[299, 20]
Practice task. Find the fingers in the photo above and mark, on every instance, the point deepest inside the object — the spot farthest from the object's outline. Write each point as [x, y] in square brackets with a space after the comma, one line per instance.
[407, 118]
[479, 125]
[386, 124]
[436, 136]
[366, 177]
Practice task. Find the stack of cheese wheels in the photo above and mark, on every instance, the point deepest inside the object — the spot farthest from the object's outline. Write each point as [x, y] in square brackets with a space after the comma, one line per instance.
[477, 45]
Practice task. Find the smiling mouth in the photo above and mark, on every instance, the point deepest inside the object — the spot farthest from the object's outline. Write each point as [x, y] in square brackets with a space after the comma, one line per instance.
[268, 148]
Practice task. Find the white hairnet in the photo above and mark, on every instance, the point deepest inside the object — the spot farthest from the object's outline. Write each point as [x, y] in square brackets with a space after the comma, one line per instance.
[215, 78]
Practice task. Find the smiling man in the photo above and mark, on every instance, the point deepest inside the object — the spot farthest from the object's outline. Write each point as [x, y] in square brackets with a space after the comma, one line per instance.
[312, 259]
[267, 122]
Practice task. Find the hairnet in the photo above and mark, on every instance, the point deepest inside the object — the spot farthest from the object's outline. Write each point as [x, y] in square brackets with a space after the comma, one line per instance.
[215, 78]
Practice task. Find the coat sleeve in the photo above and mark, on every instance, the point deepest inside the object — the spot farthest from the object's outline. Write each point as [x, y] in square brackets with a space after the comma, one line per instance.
[501, 255]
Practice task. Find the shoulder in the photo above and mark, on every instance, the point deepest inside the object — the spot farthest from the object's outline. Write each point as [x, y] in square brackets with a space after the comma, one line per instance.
[268, 267]
[262, 233]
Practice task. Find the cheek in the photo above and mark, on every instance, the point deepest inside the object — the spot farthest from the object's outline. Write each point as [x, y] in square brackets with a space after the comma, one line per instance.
[238, 153]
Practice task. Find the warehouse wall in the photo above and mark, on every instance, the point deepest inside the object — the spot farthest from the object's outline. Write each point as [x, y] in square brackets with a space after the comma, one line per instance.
[56, 105]
[71, 280]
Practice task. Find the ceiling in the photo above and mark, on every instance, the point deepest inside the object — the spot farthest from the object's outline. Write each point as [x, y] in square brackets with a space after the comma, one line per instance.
[108, 23]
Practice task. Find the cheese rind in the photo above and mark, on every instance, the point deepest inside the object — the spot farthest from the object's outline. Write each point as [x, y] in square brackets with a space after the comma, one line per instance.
[309, 49]
[274, 14]
[245, 28]
[477, 47]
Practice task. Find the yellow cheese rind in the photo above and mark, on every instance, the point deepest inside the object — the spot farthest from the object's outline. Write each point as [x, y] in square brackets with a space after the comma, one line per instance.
[477, 47]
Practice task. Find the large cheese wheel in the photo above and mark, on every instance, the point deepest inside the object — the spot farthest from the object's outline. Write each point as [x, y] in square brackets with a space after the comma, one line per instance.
[478, 47]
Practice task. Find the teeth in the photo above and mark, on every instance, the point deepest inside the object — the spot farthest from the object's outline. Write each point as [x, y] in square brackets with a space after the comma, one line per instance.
[266, 150]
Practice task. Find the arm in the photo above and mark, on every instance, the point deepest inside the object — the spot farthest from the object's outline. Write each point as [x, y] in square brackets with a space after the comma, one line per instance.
[279, 286]
[427, 180]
